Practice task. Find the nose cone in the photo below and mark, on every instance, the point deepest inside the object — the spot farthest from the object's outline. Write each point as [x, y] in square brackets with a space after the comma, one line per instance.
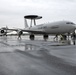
[75, 26]
[75, 29]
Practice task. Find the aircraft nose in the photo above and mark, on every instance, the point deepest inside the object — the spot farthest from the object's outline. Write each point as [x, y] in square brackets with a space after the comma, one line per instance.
[75, 26]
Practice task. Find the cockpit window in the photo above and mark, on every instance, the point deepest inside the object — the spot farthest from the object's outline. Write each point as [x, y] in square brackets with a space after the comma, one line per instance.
[69, 23]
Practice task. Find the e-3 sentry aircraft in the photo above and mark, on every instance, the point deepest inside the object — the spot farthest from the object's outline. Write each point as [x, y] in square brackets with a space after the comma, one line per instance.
[54, 28]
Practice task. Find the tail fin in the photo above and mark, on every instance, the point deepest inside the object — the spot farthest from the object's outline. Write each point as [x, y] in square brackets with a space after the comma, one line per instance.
[26, 25]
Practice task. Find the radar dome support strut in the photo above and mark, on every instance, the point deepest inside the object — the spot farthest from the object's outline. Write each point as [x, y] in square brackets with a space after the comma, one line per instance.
[32, 18]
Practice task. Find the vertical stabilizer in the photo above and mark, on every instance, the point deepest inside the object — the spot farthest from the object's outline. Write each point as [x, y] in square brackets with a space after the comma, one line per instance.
[26, 25]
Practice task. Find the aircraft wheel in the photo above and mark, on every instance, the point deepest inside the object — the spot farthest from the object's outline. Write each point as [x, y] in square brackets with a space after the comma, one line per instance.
[45, 36]
[32, 37]
[64, 37]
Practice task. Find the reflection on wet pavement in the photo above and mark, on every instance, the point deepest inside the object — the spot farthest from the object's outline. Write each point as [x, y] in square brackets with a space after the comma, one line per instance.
[37, 57]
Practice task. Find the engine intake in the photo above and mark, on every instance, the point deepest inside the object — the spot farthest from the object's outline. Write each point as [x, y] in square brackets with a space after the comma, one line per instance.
[2, 31]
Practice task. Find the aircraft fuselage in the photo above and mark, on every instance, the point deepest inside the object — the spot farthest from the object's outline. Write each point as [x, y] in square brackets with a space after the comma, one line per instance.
[59, 27]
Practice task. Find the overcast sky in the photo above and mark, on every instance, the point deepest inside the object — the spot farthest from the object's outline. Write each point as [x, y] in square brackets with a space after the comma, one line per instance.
[12, 12]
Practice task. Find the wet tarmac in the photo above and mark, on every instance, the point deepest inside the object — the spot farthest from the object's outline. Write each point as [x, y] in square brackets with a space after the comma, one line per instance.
[36, 57]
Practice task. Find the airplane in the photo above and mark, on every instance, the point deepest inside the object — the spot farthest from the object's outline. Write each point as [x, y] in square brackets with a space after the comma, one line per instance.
[54, 28]
[4, 31]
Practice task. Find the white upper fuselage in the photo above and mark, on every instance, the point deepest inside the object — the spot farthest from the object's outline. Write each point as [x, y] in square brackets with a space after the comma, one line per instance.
[59, 27]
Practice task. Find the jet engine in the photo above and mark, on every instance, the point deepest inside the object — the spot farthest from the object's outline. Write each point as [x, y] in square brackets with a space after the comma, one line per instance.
[2, 31]
[19, 33]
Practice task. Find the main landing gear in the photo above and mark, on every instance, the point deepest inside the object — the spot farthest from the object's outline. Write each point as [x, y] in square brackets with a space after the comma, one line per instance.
[32, 37]
[45, 37]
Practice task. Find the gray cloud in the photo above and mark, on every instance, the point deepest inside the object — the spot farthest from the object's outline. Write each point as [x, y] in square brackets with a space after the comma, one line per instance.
[13, 11]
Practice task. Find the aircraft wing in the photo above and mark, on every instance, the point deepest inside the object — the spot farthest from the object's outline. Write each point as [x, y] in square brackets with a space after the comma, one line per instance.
[34, 31]
[28, 30]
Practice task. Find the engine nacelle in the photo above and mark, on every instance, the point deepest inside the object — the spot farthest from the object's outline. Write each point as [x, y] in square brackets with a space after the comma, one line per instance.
[2, 31]
[20, 32]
